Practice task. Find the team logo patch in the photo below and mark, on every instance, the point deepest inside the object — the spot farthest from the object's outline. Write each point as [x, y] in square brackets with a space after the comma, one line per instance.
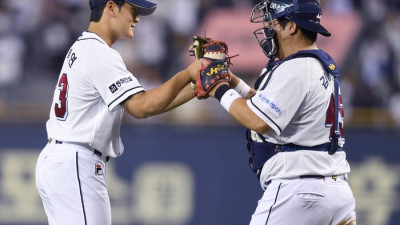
[332, 67]
[98, 169]
[278, 6]
[113, 88]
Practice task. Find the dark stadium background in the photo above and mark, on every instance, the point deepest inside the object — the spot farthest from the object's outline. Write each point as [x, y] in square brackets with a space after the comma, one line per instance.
[189, 166]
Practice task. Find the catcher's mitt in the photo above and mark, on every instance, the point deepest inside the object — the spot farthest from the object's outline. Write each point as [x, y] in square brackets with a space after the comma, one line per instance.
[197, 48]
[214, 73]
[208, 48]
[217, 71]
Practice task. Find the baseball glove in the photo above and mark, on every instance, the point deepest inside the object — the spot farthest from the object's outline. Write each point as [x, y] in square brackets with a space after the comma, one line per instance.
[208, 48]
[197, 48]
[217, 71]
[214, 73]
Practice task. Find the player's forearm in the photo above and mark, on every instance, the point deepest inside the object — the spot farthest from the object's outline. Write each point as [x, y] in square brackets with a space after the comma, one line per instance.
[234, 80]
[158, 100]
[184, 96]
[246, 117]
[175, 92]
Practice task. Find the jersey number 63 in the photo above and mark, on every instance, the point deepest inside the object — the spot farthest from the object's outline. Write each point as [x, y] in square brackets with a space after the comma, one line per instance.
[61, 107]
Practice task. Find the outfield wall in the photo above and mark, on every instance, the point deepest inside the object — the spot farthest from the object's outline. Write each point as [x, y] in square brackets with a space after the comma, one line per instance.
[192, 175]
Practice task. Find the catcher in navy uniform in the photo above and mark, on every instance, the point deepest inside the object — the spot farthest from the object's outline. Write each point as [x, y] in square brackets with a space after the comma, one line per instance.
[294, 117]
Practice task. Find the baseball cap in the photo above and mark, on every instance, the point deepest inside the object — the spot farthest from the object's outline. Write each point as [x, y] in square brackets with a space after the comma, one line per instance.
[311, 22]
[305, 13]
[144, 7]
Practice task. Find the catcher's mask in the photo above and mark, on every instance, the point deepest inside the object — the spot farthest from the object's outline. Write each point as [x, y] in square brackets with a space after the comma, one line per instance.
[305, 13]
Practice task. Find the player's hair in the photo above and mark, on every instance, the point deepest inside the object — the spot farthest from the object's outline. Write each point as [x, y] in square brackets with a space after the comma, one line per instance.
[97, 12]
[311, 35]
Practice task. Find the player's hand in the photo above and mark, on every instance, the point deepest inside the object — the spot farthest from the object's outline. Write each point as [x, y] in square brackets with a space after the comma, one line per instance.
[234, 79]
[194, 69]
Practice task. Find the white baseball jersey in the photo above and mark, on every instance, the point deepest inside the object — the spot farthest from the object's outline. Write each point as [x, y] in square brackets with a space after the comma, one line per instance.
[86, 107]
[296, 104]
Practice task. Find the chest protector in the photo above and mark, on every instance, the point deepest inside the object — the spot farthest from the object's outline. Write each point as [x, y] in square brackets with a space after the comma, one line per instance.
[260, 152]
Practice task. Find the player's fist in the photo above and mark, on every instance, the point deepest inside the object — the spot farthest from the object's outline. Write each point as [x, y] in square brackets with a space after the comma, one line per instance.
[195, 68]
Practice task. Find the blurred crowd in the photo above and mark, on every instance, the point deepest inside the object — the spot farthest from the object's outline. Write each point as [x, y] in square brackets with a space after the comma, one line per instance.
[36, 35]
[375, 66]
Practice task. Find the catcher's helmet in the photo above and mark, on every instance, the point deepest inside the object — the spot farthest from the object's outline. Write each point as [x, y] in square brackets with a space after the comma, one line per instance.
[305, 13]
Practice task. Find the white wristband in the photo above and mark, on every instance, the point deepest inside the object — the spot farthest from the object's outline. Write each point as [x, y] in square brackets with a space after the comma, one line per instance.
[228, 98]
[242, 88]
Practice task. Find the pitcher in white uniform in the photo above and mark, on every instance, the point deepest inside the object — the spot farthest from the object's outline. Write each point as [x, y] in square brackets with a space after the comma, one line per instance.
[294, 117]
[93, 90]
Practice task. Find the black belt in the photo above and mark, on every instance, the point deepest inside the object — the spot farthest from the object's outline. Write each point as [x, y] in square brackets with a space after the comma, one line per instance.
[260, 152]
[293, 147]
[334, 177]
[95, 151]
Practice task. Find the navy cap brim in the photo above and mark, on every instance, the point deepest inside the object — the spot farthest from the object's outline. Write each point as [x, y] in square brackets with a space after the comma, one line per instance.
[311, 26]
[145, 8]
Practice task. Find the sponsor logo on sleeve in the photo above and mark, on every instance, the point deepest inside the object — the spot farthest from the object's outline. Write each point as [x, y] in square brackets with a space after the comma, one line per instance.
[113, 88]
[119, 83]
[273, 107]
[123, 81]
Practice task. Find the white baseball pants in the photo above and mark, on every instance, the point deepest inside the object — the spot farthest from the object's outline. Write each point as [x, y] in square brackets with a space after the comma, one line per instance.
[306, 201]
[71, 182]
